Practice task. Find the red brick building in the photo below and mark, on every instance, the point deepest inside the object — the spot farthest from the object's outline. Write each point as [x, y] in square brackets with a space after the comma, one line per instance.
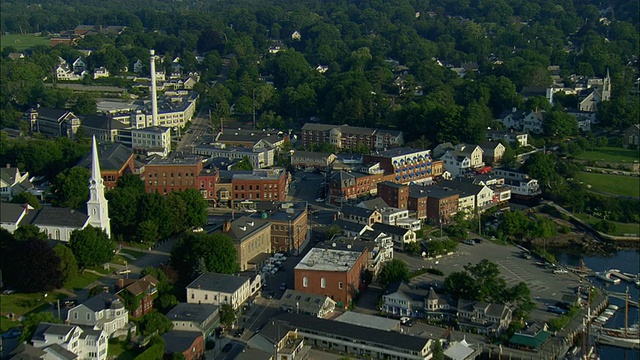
[332, 272]
[260, 185]
[115, 161]
[143, 290]
[441, 205]
[344, 186]
[417, 201]
[407, 165]
[174, 174]
[395, 195]
[207, 180]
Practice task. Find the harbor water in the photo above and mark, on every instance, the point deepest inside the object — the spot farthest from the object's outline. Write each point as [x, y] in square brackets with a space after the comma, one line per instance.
[627, 261]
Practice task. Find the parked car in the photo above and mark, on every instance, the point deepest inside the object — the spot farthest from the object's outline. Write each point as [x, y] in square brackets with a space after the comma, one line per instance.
[406, 321]
[469, 242]
[239, 332]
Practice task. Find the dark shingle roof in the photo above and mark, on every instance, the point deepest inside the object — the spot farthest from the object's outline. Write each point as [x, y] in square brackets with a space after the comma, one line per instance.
[349, 225]
[101, 301]
[357, 211]
[49, 215]
[218, 282]
[26, 351]
[51, 329]
[390, 229]
[50, 113]
[197, 313]
[9, 213]
[112, 157]
[101, 122]
[60, 352]
[179, 341]
[354, 332]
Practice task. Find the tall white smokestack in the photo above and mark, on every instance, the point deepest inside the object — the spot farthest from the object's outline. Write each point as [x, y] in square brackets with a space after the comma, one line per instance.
[154, 95]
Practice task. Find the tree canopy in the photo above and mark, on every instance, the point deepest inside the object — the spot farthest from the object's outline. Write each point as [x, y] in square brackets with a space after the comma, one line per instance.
[216, 252]
[91, 247]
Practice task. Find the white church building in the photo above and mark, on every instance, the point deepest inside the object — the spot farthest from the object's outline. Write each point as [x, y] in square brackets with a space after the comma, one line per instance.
[57, 222]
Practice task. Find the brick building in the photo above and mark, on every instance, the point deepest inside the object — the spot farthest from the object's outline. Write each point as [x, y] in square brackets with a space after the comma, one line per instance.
[173, 174]
[115, 161]
[417, 201]
[396, 195]
[349, 137]
[344, 186]
[288, 226]
[260, 185]
[143, 290]
[441, 205]
[333, 273]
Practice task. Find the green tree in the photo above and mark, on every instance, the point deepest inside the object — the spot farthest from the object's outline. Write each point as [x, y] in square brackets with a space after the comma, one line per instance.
[147, 232]
[133, 182]
[91, 247]
[85, 105]
[559, 124]
[26, 198]
[216, 251]
[31, 266]
[196, 206]
[68, 263]
[178, 356]
[155, 323]
[28, 231]
[460, 285]
[393, 271]
[32, 320]
[227, 315]
[244, 164]
[71, 188]
[332, 231]
[438, 351]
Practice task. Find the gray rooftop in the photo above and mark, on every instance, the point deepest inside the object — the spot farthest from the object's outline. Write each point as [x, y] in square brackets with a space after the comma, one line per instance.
[197, 313]
[357, 211]
[383, 338]
[272, 174]
[112, 157]
[245, 226]
[49, 215]
[102, 301]
[179, 341]
[370, 321]
[329, 260]
[349, 225]
[51, 329]
[307, 303]
[390, 229]
[9, 213]
[218, 282]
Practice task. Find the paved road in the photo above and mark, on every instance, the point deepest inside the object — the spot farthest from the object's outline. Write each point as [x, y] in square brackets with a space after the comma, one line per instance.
[200, 130]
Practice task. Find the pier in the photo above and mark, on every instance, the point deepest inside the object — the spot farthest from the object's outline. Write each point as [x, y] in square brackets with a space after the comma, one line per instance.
[622, 296]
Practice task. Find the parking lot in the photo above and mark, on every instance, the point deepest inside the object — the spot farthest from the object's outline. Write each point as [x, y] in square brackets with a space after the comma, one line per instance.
[546, 287]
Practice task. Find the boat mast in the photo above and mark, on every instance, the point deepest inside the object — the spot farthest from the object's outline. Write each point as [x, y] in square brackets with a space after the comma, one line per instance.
[626, 312]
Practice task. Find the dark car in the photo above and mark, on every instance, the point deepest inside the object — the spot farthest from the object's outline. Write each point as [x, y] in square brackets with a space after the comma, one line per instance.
[477, 240]
[227, 347]
[239, 332]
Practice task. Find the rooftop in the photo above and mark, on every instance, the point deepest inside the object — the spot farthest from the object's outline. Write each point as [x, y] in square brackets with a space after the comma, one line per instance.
[270, 174]
[218, 282]
[370, 321]
[329, 260]
[197, 313]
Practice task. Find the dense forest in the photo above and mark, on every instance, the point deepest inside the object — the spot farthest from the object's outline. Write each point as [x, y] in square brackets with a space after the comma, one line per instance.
[371, 49]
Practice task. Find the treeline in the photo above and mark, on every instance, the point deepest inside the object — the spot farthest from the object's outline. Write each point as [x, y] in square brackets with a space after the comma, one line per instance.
[511, 43]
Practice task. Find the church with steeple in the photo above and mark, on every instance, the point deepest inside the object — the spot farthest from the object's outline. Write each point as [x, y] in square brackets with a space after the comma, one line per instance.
[590, 99]
[57, 222]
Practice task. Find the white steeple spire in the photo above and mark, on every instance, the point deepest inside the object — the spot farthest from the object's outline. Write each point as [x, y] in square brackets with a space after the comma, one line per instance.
[97, 208]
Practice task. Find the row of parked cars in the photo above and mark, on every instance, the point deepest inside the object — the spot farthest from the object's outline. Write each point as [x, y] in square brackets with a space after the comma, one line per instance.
[274, 263]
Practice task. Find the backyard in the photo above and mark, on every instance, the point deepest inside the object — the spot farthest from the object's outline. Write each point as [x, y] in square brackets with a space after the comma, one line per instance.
[610, 154]
[21, 42]
[22, 304]
[620, 185]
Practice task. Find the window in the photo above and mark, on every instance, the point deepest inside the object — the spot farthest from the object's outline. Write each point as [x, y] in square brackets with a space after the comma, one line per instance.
[305, 281]
[88, 316]
[193, 296]
[340, 285]
[323, 283]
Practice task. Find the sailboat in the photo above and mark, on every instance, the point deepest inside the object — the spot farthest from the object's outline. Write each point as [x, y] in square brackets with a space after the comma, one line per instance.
[627, 337]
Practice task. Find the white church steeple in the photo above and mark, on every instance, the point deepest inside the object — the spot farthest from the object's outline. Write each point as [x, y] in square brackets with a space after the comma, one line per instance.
[97, 208]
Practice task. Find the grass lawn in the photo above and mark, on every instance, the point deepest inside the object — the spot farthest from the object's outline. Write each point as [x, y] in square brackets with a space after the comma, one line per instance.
[21, 304]
[21, 42]
[614, 154]
[80, 281]
[135, 253]
[118, 351]
[6, 324]
[614, 184]
[621, 228]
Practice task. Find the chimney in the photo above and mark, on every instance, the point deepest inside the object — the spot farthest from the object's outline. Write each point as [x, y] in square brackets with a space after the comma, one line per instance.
[154, 95]
[226, 227]
[120, 283]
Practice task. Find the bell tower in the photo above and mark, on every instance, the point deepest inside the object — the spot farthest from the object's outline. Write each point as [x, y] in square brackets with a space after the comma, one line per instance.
[97, 208]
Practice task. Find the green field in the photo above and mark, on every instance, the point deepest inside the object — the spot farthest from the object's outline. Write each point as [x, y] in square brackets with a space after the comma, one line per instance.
[21, 42]
[79, 282]
[613, 154]
[622, 229]
[613, 184]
